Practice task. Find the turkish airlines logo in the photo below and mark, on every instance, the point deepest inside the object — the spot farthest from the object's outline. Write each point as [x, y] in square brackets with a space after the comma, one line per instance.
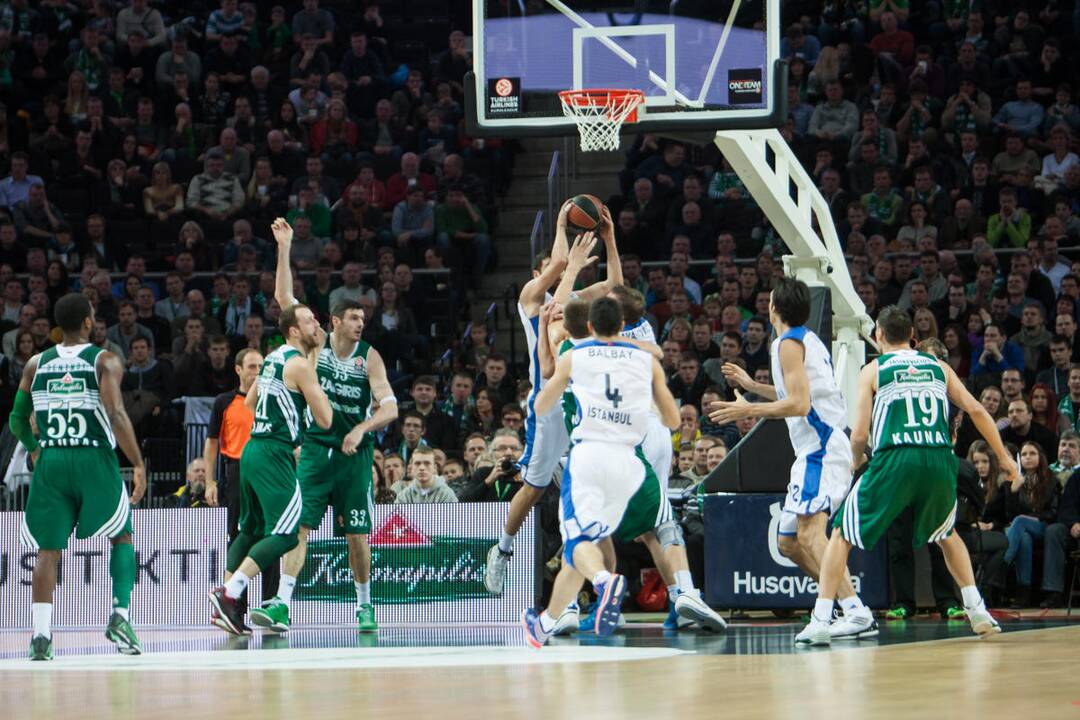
[745, 86]
[503, 87]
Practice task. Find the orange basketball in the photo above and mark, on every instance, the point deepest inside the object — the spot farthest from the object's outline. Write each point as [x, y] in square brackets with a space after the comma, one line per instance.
[584, 213]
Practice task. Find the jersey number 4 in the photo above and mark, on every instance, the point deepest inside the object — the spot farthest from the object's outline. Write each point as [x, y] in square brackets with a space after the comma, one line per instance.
[611, 393]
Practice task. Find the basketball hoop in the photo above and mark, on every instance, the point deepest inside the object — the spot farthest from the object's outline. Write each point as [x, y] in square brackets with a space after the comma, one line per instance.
[599, 114]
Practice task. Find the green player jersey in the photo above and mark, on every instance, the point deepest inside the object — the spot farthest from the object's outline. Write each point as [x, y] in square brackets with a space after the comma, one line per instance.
[67, 399]
[569, 404]
[279, 412]
[911, 407]
[347, 386]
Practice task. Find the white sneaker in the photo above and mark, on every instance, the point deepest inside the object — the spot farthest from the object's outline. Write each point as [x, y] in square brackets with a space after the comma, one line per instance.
[690, 606]
[982, 622]
[853, 626]
[816, 632]
[495, 571]
[568, 621]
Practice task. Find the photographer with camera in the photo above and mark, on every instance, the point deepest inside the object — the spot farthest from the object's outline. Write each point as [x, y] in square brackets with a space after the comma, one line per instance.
[502, 481]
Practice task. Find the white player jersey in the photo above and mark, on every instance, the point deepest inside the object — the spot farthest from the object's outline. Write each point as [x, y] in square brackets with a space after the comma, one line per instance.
[828, 411]
[612, 384]
[643, 330]
[532, 327]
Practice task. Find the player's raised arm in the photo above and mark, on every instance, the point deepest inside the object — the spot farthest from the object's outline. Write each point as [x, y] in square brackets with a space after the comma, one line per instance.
[383, 394]
[796, 404]
[111, 370]
[649, 347]
[662, 397]
[532, 295]
[553, 390]
[283, 280]
[301, 373]
[864, 408]
[578, 260]
[984, 423]
[614, 264]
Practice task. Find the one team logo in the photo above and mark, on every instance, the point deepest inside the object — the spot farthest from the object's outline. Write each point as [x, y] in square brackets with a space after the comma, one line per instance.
[503, 87]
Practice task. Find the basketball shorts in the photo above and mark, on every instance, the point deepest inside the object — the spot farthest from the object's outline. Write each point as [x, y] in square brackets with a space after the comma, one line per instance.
[546, 441]
[818, 483]
[75, 489]
[923, 479]
[658, 451]
[330, 477]
[607, 489]
[270, 500]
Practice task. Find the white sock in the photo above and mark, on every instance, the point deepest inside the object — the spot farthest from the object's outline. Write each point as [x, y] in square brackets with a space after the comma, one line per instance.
[972, 598]
[285, 587]
[547, 623]
[42, 615]
[852, 605]
[684, 580]
[506, 543]
[823, 610]
[600, 578]
[363, 593]
[672, 592]
[122, 612]
[236, 585]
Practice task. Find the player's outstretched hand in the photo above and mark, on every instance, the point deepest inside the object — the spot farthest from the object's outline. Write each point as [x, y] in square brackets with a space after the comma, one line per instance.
[138, 488]
[210, 495]
[551, 313]
[283, 232]
[722, 413]
[736, 375]
[581, 250]
[607, 225]
[561, 223]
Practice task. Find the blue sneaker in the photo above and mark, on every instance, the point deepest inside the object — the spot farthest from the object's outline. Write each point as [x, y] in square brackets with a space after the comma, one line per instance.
[587, 624]
[609, 604]
[535, 636]
[671, 622]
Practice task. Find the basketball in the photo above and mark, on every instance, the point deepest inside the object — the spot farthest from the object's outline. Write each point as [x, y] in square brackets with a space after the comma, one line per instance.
[585, 212]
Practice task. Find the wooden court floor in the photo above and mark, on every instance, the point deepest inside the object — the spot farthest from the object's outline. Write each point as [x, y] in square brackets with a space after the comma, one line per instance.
[1023, 673]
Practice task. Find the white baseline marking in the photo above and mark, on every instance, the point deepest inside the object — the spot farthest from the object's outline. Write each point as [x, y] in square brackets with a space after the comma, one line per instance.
[338, 659]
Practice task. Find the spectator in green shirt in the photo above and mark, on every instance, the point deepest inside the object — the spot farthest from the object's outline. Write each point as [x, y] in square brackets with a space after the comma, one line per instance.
[883, 203]
[316, 212]
[459, 223]
[1011, 226]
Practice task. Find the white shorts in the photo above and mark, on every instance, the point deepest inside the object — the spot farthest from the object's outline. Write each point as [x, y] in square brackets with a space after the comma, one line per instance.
[545, 444]
[819, 482]
[657, 449]
[607, 489]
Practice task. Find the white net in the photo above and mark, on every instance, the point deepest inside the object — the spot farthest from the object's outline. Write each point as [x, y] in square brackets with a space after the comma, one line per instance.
[599, 115]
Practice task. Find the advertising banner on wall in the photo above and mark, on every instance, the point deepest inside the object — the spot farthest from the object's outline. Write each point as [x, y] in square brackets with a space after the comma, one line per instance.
[745, 569]
[427, 567]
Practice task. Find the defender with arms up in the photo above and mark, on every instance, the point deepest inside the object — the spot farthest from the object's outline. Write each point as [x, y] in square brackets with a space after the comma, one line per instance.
[270, 500]
[73, 391]
[335, 464]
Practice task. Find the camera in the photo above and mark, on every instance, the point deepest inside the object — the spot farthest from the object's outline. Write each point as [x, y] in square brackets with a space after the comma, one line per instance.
[507, 467]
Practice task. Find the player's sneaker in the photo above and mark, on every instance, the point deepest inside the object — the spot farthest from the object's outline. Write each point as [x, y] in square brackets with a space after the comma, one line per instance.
[568, 620]
[587, 624]
[230, 617]
[272, 615]
[41, 648]
[982, 622]
[853, 626]
[955, 613]
[690, 606]
[365, 618]
[609, 604]
[495, 570]
[535, 636]
[120, 633]
[816, 632]
[673, 621]
[897, 613]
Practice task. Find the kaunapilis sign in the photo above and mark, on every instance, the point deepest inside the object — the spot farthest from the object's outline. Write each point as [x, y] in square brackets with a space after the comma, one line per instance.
[427, 567]
[745, 569]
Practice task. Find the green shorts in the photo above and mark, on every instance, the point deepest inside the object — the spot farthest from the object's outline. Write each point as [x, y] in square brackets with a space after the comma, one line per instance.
[330, 477]
[647, 507]
[75, 489]
[923, 479]
[270, 502]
